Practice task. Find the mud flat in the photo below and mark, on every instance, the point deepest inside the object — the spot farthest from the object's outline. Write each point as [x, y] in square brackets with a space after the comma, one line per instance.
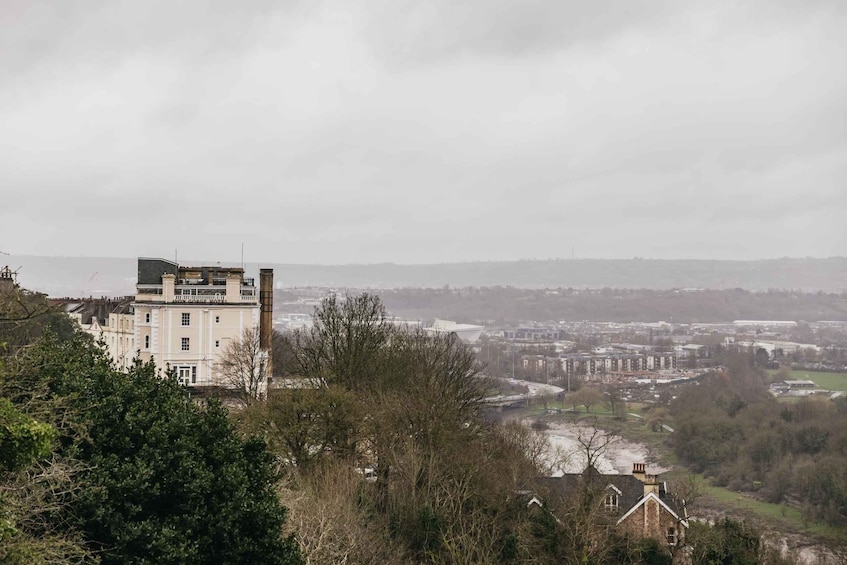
[567, 454]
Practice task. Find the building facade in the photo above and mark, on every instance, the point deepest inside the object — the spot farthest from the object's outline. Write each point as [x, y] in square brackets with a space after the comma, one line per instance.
[109, 321]
[640, 504]
[184, 317]
[590, 365]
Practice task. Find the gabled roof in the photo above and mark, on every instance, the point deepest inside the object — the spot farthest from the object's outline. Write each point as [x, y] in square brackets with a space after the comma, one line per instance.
[653, 496]
[628, 488]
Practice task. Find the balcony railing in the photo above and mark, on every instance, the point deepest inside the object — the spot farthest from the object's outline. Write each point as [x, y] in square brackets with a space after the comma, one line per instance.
[200, 289]
[200, 298]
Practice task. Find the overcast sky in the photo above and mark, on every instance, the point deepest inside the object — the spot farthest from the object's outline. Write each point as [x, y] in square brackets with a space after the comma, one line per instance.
[427, 131]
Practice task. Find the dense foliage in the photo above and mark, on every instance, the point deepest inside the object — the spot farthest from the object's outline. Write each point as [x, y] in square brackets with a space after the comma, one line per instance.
[138, 472]
[392, 459]
[731, 428]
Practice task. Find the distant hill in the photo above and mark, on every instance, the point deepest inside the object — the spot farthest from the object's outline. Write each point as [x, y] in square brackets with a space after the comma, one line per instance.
[84, 276]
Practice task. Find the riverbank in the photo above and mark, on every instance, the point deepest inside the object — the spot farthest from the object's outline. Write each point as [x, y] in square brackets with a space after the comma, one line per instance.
[573, 443]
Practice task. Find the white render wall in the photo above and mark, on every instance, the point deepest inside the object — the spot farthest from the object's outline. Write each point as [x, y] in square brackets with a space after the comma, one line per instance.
[211, 327]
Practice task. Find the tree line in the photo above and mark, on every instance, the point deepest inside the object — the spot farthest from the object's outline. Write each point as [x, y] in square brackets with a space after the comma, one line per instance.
[731, 428]
[506, 304]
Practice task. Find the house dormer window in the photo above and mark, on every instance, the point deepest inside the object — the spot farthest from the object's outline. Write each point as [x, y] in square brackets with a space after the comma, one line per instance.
[611, 500]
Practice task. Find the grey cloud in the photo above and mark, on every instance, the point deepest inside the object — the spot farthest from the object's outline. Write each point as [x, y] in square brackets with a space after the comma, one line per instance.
[408, 31]
[105, 31]
[431, 132]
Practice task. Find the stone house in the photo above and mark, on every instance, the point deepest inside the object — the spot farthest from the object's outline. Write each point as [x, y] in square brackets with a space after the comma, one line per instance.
[640, 504]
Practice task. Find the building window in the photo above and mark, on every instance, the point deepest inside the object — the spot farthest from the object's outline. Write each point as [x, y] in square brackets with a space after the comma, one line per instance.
[217, 343]
[146, 342]
[186, 319]
[184, 344]
[217, 319]
[671, 536]
[187, 374]
[147, 318]
[611, 501]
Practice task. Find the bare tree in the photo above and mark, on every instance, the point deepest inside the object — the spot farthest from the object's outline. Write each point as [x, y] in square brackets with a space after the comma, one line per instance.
[586, 396]
[330, 523]
[545, 458]
[656, 418]
[615, 402]
[686, 489]
[594, 442]
[244, 367]
[346, 341]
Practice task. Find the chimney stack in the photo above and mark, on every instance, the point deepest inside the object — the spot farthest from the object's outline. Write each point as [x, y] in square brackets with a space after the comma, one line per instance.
[651, 482]
[266, 299]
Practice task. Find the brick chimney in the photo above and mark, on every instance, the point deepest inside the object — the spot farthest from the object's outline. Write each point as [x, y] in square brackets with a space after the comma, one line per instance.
[651, 482]
[266, 301]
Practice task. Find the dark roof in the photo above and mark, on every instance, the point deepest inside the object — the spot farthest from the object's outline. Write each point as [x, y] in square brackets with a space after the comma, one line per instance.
[99, 308]
[150, 271]
[561, 489]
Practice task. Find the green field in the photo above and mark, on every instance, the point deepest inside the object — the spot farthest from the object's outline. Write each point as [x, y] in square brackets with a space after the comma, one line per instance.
[826, 381]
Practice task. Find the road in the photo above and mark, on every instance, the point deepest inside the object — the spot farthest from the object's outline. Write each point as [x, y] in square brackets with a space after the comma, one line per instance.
[534, 390]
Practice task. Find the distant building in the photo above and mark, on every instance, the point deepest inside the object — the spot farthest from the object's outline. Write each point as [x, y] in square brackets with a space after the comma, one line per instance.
[640, 504]
[800, 384]
[468, 333]
[765, 323]
[8, 280]
[533, 334]
[184, 317]
[600, 364]
[110, 320]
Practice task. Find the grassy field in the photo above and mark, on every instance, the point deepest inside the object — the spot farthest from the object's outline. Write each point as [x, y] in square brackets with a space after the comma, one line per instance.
[714, 499]
[826, 381]
[786, 519]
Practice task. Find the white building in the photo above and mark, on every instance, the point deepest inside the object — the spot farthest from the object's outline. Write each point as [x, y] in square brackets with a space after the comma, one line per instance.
[184, 317]
[109, 321]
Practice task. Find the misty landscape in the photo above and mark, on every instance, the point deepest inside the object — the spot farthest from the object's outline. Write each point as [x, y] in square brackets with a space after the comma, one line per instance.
[469, 283]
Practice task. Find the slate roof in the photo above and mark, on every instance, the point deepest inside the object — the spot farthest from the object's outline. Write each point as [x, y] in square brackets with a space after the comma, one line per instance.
[631, 488]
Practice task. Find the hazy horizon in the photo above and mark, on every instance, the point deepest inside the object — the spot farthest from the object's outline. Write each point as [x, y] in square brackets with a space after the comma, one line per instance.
[94, 276]
[253, 260]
